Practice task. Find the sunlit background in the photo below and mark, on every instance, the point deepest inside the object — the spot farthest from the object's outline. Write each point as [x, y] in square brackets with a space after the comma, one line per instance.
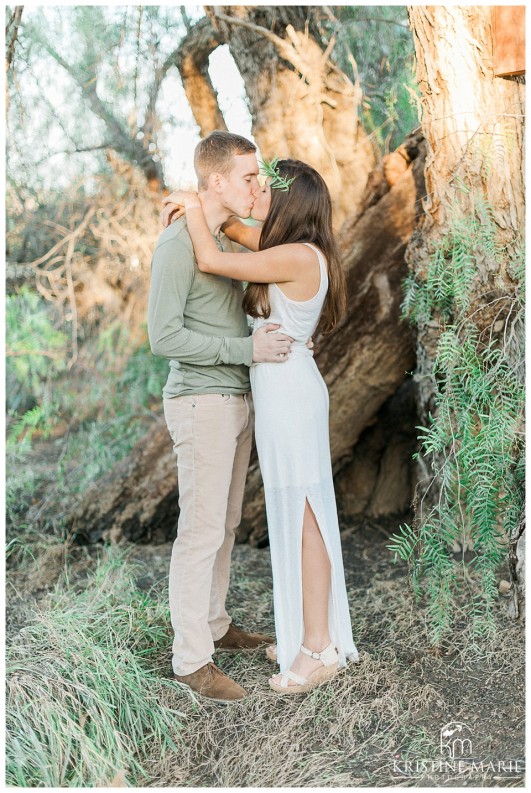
[44, 123]
[55, 140]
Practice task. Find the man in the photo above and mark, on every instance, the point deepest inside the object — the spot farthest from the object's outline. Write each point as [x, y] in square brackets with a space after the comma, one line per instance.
[196, 321]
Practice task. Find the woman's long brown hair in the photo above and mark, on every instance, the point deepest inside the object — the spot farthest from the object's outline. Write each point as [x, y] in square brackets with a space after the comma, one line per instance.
[302, 214]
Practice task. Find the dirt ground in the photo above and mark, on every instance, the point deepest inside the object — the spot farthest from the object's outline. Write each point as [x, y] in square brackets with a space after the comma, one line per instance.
[378, 723]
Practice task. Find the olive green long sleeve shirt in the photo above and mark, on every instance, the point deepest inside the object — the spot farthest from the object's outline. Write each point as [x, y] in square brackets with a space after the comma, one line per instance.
[196, 320]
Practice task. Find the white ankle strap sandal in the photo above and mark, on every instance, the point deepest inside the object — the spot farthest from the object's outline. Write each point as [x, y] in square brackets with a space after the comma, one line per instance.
[329, 658]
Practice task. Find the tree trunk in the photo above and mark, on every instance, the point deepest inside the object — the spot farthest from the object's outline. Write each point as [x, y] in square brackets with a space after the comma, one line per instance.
[364, 362]
[473, 123]
[192, 62]
[302, 105]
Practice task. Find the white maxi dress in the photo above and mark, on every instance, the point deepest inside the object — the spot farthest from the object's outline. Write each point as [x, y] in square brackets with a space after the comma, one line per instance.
[292, 439]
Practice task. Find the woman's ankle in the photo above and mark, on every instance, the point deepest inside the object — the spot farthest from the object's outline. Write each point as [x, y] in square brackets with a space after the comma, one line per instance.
[316, 642]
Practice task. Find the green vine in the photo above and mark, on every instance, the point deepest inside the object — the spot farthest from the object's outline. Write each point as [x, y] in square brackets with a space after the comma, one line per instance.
[473, 446]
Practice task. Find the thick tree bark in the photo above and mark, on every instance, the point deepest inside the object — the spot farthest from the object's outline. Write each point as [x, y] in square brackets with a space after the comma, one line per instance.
[364, 362]
[473, 123]
[472, 120]
[192, 62]
[301, 104]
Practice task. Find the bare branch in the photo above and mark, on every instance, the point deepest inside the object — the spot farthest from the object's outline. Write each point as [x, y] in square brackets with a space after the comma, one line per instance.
[70, 286]
[88, 89]
[72, 235]
[329, 48]
[186, 19]
[122, 141]
[45, 353]
[382, 19]
[12, 28]
[286, 51]
[137, 60]
[82, 149]
[160, 74]
[339, 30]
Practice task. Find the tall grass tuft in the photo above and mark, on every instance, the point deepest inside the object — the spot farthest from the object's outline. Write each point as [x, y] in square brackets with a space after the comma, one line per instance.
[84, 693]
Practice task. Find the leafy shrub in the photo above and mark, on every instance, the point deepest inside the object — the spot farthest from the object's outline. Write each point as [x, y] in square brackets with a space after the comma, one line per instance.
[36, 351]
[100, 407]
[475, 438]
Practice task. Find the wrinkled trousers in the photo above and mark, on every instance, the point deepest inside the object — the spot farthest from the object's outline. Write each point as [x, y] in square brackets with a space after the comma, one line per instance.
[212, 435]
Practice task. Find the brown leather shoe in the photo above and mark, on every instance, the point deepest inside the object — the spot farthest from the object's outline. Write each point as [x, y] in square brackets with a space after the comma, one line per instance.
[211, 682]
[236, 639]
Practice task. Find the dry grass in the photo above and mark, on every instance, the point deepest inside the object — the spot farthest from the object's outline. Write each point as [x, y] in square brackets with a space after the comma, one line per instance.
[335, 736]
[389, 707]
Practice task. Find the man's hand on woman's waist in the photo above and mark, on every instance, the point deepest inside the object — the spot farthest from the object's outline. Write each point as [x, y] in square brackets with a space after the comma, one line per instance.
[269, 346]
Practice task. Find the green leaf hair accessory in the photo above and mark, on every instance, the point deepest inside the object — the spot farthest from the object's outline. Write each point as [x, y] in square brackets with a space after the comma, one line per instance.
[272, 170]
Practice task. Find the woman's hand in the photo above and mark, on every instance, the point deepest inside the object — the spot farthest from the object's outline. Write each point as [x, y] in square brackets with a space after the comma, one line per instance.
[232, 223]
[248, 236]
[175, 205]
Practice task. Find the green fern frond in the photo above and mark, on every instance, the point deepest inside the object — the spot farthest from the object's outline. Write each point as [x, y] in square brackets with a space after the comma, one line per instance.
[473, 441]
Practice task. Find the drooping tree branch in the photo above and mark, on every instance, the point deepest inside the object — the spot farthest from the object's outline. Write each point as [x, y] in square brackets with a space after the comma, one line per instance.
[150, 120]
[120, 138]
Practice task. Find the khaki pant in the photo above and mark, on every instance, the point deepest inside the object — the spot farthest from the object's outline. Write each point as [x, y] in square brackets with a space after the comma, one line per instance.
[212, 436]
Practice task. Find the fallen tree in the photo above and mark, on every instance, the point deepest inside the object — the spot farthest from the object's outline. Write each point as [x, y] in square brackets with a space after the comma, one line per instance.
[365, 362]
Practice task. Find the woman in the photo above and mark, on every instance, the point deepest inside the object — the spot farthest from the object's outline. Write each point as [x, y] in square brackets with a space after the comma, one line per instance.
[295, 280]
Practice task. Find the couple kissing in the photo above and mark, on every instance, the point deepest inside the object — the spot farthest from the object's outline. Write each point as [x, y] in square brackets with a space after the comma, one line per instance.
[198, 319]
